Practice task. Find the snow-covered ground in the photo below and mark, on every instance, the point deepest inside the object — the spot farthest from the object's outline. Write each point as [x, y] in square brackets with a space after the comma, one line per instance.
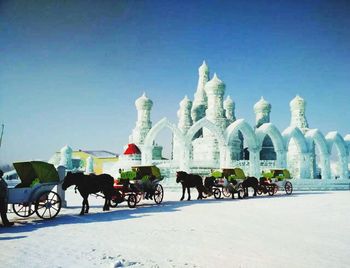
[306, 229]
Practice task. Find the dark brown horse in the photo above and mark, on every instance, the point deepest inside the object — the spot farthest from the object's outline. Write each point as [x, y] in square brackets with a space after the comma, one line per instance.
[190, 181]
[250, 182]
[90, 184]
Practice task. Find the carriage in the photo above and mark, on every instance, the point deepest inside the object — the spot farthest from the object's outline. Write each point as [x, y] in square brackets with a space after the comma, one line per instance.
[274, 180]
[34, 194]
[141, 182]
[228, 182]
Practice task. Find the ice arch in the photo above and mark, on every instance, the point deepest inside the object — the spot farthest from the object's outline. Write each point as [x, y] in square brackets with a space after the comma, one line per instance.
[333, 138]
[277, 140]
[253, 147]
[304, 157]
[146, 152]
[204, 123]
[314, 136]
[247, 131]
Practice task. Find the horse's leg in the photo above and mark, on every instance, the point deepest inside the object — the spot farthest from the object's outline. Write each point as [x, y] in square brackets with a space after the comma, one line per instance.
[200, 196]
[87, 204]
[183, 193]
[246, 192]
[83, 206]
[189, 194]
[106, 205]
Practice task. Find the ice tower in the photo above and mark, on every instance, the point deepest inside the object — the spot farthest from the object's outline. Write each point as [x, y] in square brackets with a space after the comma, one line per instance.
[262, 111]
[143, 123]
[298, 118]
[200, 98]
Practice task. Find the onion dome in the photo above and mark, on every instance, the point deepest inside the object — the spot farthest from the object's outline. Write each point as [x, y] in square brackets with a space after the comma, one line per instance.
[215, 86]
[203, 68]
[262, 105]
[297, 103]
[132, 149]
[186, 102]
[228, 103]
[143, 102]
[66, 150]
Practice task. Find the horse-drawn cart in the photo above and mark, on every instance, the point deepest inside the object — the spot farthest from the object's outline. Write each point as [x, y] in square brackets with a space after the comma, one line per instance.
[34, 194]
[274, 180]
[228, 182]
[139, 183]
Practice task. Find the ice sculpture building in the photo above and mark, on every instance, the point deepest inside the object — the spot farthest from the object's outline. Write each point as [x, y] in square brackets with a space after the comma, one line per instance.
[208, 136]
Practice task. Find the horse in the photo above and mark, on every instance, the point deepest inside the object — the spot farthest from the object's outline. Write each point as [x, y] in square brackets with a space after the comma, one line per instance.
[90, 184]
[190, 181]
[250, 182]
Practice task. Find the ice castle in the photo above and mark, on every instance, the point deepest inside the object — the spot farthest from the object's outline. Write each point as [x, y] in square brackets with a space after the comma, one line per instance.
[208, 136]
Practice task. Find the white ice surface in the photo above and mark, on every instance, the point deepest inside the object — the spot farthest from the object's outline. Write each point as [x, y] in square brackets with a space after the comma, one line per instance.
[306, 229]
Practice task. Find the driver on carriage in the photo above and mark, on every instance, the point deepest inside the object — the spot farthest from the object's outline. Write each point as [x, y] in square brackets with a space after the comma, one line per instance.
[3, 201]
[148, 186]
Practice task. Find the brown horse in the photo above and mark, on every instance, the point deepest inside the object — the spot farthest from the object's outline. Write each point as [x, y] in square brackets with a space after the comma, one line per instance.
[190, 181]
[250, 182]
[90, 184]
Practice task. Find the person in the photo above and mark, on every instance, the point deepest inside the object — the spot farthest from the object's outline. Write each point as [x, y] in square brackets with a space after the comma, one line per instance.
[3, 201]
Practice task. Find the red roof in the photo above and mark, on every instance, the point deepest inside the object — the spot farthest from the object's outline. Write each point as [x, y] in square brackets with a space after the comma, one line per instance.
[132, 149]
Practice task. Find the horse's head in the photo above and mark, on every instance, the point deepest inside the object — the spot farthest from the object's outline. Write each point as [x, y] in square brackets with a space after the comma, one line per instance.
[68, 181]
[180, 176]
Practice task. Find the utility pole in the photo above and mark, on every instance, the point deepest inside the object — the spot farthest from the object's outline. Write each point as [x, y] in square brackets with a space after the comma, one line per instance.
[2, 133]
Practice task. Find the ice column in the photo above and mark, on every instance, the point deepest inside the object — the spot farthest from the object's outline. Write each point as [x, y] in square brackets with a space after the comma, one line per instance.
[89, 168]
[66, 157]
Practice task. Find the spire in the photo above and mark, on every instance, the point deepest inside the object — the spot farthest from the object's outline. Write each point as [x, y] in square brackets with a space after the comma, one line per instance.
[200, 97]
[203, 69]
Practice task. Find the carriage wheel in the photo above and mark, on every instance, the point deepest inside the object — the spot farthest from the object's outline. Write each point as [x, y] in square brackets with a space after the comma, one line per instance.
[240, 193]
[158, 194]
[48, 205]
[116, 198]
[132, 200]
[24, 209]
[217, 193]
[113, 203]
[226, 192]
[288, 187]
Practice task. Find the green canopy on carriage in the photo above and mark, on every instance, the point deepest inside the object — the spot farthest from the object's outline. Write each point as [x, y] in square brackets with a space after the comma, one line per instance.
[280, 174]
[39, 171]
[233, 173]
[143, 171]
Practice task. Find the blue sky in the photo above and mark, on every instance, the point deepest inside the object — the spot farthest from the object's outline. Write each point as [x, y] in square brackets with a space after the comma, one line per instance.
[70, 71]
